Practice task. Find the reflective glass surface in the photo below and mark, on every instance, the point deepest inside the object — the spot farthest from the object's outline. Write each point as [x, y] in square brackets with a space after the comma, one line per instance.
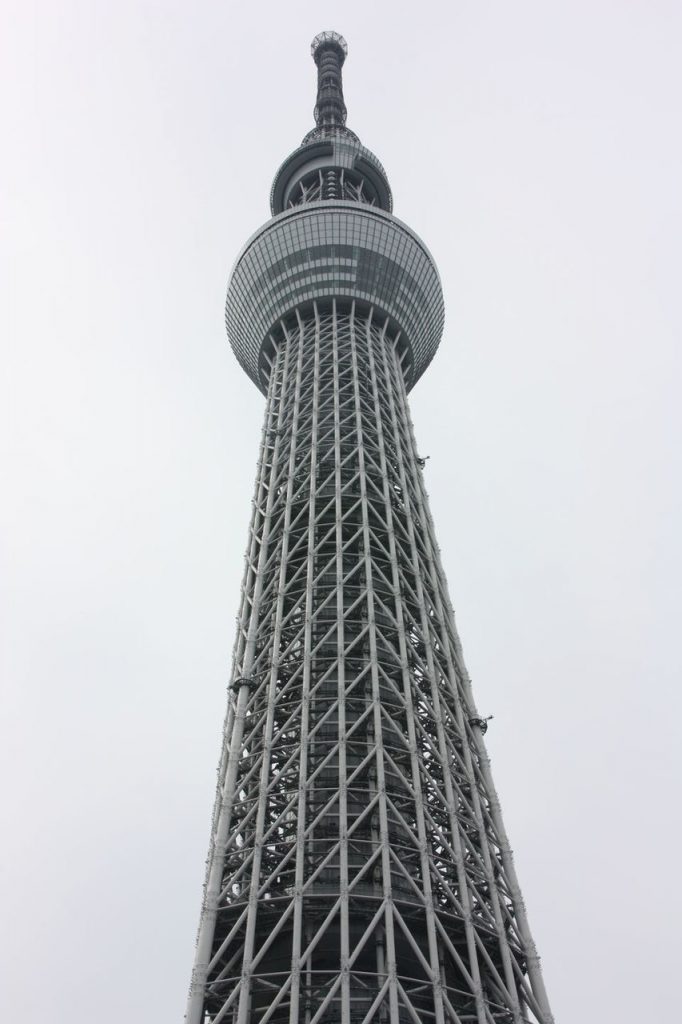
[334, 250]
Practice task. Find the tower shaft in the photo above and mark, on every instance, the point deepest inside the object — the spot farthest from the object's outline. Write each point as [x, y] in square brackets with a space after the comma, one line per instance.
[359, 870]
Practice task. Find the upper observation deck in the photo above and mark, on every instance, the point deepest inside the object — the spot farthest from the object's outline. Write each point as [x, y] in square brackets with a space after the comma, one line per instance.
[333, 236]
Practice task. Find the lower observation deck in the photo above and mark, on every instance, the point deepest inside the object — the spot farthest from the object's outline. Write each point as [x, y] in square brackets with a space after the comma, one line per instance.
[334, 250]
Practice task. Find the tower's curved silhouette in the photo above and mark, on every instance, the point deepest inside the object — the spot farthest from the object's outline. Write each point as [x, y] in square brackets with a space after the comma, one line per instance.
[359, 869]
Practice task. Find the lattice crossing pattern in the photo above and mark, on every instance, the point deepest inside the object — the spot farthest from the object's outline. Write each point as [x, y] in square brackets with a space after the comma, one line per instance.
[359, 870]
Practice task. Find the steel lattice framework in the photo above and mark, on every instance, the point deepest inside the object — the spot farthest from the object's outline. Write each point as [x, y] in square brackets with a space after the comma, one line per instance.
[359, 869]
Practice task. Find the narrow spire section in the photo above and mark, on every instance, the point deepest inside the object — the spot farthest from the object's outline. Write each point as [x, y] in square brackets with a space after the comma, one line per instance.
[329, 51]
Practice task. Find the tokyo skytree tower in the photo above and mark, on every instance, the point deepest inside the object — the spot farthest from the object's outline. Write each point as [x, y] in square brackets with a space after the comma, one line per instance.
[358, 870]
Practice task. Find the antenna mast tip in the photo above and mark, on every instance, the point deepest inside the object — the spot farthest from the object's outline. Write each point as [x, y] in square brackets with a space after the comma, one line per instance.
[329, 39]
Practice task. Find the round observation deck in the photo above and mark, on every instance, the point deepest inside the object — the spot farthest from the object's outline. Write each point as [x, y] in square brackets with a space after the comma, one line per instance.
[358, 174]
[328, 250]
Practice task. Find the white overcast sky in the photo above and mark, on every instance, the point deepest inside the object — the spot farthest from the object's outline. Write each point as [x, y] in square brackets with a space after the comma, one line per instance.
[536, 148]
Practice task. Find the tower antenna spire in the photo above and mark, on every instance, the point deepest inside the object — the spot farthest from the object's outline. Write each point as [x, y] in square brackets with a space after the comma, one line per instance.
[329, 50]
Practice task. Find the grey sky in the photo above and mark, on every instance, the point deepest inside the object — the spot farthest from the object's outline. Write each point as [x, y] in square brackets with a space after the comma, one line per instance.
[535, 147]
